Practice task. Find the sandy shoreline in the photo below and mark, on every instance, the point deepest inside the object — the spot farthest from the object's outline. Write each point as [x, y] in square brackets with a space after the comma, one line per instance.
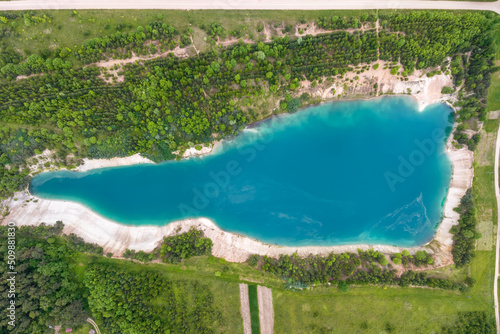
[89, 164]
[115, 237]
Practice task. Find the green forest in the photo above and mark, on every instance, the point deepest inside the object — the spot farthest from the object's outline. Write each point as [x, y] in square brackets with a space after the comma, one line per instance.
[72, 106]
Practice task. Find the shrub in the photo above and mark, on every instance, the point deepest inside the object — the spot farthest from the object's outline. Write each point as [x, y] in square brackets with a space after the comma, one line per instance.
[395, 70]
[183, 246]
[253, 260]
[343, 286]
[447, 90]
[470, 281]
[294, 104]
[382, 259]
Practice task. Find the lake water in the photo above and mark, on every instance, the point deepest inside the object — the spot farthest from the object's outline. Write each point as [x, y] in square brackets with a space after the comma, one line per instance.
[371, 172]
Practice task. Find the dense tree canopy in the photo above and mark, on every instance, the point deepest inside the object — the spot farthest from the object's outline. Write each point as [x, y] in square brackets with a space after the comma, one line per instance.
[47, 292]
[146, 302]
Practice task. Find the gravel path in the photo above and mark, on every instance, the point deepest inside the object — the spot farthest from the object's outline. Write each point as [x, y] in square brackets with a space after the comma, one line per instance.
[245, 309]
[248, 4]
[266, 311]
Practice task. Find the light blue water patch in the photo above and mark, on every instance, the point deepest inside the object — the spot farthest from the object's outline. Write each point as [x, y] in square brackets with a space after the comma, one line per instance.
[371, 172]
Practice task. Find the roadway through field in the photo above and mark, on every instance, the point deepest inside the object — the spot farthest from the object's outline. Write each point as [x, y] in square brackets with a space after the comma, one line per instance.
[245, 309]
[266, 311]
[248, 4]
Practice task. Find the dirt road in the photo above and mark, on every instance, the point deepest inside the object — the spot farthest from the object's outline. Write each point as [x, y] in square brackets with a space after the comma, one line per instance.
[248, 4]
[245, 309]
[266, 312]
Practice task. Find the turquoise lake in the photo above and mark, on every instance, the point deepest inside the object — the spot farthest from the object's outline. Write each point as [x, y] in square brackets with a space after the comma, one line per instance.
[339, 173]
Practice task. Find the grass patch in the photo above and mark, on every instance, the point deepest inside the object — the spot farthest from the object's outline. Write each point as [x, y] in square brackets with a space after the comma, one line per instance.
[370, 310]
[391, 309]
[482, 269]
[484, 191]
[494, 91]
[491, 125]
[487, 230]
[254, 308]
[484, 153]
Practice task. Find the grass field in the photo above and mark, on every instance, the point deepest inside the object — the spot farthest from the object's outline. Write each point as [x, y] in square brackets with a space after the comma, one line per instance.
[370, 310]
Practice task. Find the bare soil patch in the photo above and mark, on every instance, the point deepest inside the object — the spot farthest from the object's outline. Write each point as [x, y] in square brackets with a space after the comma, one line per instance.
[266, 311]
[245, 309]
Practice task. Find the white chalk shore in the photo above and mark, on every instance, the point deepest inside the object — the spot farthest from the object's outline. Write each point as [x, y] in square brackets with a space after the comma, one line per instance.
[89, 164]
[136, 159]
[115, 237]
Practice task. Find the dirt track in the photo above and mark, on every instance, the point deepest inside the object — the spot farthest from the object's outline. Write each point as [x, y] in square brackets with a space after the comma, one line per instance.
[266, 311]
[248, 4]
[245, 309]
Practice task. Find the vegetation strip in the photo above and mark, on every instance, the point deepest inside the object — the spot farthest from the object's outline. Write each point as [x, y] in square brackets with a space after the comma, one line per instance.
[254, 308]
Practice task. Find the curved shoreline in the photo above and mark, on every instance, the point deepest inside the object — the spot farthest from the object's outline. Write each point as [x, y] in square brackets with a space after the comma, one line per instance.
[116, 238]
